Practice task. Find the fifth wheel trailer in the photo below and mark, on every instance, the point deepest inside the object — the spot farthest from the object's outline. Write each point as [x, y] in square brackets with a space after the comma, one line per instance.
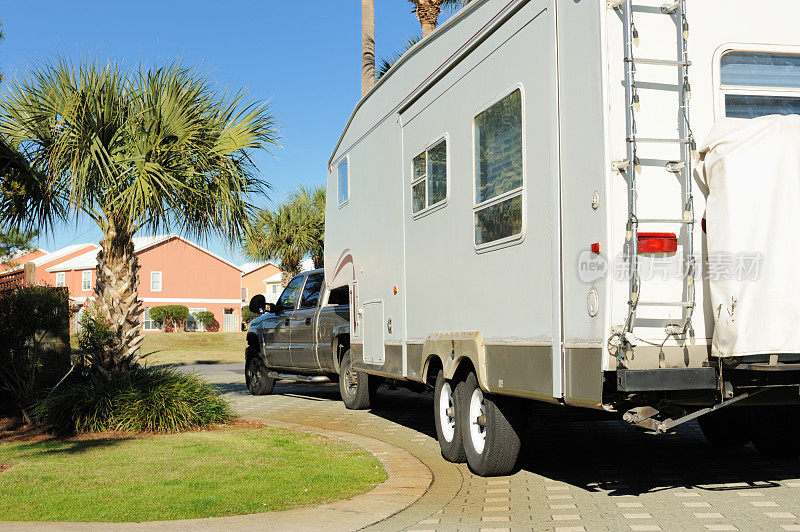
[516, 207]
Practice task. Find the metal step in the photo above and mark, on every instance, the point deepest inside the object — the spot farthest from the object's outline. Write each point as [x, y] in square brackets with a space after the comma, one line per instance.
[666, 221]
[658, 62]
[646, 140]
[682, 304]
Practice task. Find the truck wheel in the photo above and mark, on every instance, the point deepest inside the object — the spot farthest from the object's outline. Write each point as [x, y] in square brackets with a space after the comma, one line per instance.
[447, 410]
[730, 427]
[354, 386]
[491, 439]
[776, 432]
[255, 375]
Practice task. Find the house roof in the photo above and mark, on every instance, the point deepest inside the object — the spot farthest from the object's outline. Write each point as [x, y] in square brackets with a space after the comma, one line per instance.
[88, 260]
[250, 267]
[277, 278]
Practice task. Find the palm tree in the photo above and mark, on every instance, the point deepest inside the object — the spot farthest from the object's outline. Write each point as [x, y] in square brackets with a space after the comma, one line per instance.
[290, 232]
[279, 235]
[134, 150]
[367, 45]
[428, 11]
[311, 202]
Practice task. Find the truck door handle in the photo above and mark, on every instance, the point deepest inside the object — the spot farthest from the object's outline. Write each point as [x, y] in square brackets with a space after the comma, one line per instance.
[308, 320]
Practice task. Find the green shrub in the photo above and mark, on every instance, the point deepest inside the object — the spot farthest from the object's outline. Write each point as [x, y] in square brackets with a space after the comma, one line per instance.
[34, 322]
[248, 315]
[206, 318]
[95, 336]
[142, 400]
[173, 317]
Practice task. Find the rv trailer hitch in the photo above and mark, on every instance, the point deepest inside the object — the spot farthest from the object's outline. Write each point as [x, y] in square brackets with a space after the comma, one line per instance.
[646, 417]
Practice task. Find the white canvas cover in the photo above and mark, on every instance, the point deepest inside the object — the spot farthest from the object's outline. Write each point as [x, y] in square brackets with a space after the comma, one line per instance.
[752, 170]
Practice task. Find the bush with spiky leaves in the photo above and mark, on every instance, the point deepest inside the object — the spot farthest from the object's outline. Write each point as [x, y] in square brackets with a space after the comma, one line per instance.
[142, 400]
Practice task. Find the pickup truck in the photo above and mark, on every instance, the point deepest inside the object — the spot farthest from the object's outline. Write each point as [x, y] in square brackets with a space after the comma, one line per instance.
[305, 337]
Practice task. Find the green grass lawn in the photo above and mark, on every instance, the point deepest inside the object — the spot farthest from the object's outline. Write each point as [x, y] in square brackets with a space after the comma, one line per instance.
[190, 348]
[180, 476]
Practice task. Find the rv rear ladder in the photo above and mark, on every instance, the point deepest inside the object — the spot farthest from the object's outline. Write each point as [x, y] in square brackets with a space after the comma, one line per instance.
[681, 168]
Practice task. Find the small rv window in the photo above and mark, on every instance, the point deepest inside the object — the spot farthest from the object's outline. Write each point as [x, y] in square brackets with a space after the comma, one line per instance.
[498, 170]
[429, 182]
[344, 182]
[758, 84]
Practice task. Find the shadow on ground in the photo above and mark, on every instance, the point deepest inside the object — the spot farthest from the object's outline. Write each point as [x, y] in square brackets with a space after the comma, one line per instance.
[596, 456]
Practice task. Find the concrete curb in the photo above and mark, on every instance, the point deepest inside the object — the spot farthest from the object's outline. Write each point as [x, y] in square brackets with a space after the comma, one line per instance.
[408, 480]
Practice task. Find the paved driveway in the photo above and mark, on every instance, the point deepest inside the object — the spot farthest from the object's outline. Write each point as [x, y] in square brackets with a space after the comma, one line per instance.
[574, 476]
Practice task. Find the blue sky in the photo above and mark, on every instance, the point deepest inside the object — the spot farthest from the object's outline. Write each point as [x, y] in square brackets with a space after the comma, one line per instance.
[302, 56]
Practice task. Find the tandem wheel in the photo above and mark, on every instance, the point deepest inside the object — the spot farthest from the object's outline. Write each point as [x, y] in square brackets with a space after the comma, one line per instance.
[490, 429]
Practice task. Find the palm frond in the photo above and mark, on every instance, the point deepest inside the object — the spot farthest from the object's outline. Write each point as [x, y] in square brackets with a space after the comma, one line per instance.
[145, 149]
[387, 63]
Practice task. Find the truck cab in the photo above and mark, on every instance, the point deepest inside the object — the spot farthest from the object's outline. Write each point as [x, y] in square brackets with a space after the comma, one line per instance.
[304, 336]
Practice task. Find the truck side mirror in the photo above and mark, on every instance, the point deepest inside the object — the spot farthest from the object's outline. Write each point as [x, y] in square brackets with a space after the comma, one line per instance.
[258, 304]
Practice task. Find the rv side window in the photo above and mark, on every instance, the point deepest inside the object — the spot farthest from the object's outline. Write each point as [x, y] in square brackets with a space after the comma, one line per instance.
[758, 84]
[429, 182]
[498, 171]
[344, 182]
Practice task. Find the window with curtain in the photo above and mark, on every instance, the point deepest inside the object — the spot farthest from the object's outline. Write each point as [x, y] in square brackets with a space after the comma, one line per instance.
[499, 171]
[429, 181]
[758, 84]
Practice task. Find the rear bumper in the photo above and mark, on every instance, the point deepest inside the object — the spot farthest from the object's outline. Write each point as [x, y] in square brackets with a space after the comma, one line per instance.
[653, 380]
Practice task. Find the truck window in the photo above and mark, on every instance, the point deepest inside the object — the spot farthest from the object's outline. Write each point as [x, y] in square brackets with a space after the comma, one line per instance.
[429, 182]
[288, 299]
[311, 291]
[758, 84]
[498, 170]
[339, 296]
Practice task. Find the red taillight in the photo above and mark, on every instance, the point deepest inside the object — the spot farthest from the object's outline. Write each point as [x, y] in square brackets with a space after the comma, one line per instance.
[596, 248]
[703, 224]
[658, 243]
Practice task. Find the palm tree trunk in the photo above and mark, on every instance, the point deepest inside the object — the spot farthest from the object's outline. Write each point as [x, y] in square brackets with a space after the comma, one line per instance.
[290, 269]
[116, 292]
[367, 45]
[428, 15]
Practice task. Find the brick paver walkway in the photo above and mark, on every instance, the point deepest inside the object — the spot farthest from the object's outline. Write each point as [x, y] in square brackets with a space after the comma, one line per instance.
[574, 476]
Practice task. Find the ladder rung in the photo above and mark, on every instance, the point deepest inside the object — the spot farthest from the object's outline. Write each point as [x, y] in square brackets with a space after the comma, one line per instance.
[665, 221]
[685, 304]
[645, 140]
[658, 62]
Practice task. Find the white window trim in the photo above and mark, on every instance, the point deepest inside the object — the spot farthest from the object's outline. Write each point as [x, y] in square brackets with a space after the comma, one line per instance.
[160, 281]
[83, 280]
[512, 240]
[145, 320]
[61, 279]
[415, 181]
[346, 158]
[721, 91]
[201, 328]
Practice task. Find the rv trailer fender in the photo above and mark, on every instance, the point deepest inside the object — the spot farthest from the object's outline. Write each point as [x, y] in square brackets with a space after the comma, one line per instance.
[339, 336]
[452, 349]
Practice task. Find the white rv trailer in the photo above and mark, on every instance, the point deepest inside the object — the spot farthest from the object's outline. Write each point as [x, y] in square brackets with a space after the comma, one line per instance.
[515, 208]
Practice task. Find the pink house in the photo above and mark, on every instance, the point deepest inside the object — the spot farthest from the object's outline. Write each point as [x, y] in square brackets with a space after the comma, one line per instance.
[173, 271]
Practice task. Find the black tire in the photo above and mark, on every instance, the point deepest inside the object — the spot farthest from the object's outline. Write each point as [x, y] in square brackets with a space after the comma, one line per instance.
[776, 431]
[728, 428]
[493, 447]
[255, 375]
[354, 386]
[449, 396]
